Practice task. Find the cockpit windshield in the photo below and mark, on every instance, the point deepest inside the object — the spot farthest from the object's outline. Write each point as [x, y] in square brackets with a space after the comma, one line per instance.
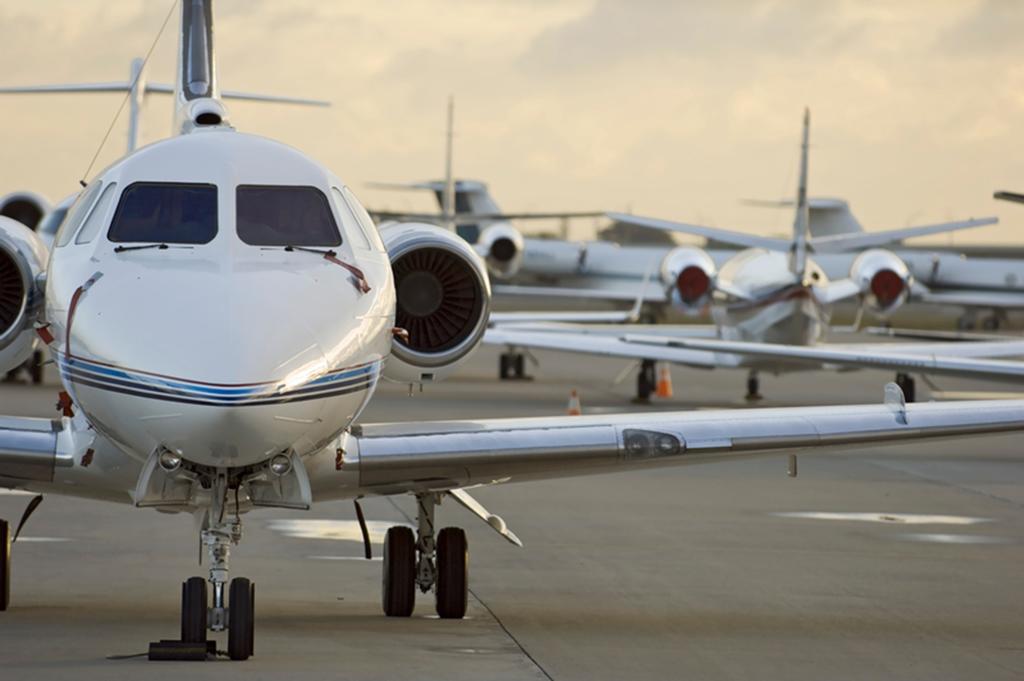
[166, 212]
[285, 216]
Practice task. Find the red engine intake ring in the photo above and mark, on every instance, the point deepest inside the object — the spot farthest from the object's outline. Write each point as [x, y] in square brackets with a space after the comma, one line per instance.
[887, 287]
[693, 284]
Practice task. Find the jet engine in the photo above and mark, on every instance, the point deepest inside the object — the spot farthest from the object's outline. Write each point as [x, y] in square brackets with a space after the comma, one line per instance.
[688, 275]
[443, 301]
[883, 278]
[22, 260]
[501, 247]
[27, 208]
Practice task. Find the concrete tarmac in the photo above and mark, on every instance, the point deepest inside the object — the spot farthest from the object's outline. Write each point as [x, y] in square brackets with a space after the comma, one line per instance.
[897, 563]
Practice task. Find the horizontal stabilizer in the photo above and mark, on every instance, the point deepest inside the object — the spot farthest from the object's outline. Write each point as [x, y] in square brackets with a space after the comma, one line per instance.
[151, 88]
[856, 242]
[723, 235]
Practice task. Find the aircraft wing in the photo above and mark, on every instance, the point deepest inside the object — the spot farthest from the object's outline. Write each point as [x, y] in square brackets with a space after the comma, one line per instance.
[473, 218]
[855, 242]
[568, 338]
[575, 317]
[415, 457]
[652, 294]
[950, 359]
[969, 298]
[723, 235]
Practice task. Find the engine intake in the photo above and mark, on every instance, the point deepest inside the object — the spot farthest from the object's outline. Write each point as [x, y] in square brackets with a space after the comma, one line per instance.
[883, 278]
[688, 275]
[22, 258]
[443, 300]
[27, 208]
[501, 247]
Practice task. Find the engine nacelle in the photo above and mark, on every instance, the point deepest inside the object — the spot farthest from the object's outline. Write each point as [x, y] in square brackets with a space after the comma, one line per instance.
[444, 301]
[22, 261]
[28, 208]
[688, 275]
[883, 278]
[501, 247]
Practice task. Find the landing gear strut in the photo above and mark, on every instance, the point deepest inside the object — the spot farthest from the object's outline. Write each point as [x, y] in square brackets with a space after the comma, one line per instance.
[646, 381]
[906, 384]
[233, 606]
[753, 387]
[512, 366]
[426, 562]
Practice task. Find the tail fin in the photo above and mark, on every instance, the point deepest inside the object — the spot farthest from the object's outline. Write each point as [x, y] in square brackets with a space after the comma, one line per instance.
[798, 250]
[448, 193]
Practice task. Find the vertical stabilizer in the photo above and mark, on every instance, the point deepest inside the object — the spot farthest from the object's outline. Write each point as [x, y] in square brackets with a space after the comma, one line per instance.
[798, 250]
[196, 93]
[448, 193]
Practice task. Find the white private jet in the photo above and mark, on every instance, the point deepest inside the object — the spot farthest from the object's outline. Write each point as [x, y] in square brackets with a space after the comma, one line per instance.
[771, 305]
[220, 308]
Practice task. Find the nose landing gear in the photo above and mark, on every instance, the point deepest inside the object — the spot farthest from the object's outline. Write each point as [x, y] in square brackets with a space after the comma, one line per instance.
[236, 614]
[441, 564]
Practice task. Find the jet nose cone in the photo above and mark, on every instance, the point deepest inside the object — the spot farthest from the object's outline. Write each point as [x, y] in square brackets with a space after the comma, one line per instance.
[213, 367]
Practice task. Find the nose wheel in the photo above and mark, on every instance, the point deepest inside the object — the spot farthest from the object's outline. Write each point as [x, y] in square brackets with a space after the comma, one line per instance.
[441, 564]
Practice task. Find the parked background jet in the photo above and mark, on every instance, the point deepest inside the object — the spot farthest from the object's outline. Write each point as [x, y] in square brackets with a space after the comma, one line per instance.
[771, 306]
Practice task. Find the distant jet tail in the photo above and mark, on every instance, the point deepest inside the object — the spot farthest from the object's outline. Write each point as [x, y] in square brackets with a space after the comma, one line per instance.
[798, 249]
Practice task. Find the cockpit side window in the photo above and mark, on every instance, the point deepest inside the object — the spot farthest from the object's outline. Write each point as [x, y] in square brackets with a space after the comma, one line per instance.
[357, 237]
[97, 217]
[272, 215]
[364, 218]
[77, 213]
[166, 212]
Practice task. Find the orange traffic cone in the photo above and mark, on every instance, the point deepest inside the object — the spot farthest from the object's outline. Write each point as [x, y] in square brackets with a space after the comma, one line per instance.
[574, 408]
[664, 388]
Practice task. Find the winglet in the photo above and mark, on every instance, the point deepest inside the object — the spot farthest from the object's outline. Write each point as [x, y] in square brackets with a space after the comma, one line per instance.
[896, 401]
[634, 312]
[476, 508]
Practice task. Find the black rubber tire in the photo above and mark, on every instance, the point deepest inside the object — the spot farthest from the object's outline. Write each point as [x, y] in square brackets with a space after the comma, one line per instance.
[5, 565]
[519, 366]
[36, 367]
[503, 366]
[399, 578]
[193, 610]
[645, 381]
[452, 573]
[241, 619]
[908, 386]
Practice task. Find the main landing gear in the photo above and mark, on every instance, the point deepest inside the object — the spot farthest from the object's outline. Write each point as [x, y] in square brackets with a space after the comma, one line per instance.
[753, 387]
[512, 366]
[646, 381]
[233, 603]
[906, 384]
[423, 562]
[7, 538]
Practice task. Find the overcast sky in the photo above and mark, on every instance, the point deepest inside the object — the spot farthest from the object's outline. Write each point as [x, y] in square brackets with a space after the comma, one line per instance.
[667, 108]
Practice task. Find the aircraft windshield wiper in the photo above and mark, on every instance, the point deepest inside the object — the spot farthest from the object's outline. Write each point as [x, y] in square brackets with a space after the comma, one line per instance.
[143, 247]
[332, 256]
